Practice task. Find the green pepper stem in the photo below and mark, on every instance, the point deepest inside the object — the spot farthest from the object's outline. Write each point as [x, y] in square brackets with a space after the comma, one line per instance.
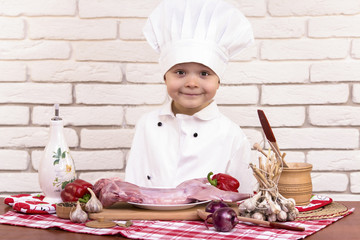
[212, 181]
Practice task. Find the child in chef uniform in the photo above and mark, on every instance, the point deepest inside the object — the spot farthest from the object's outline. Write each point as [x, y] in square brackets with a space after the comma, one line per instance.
[188, 137]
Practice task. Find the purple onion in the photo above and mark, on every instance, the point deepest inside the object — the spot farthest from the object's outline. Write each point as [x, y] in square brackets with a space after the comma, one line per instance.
[224, 219]
[215, 205]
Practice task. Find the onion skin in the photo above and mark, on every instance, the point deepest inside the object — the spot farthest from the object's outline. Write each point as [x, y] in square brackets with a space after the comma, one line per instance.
[215, 205]
[224, 219]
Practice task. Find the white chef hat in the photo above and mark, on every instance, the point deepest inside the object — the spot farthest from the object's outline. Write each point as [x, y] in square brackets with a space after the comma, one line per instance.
[209, 32]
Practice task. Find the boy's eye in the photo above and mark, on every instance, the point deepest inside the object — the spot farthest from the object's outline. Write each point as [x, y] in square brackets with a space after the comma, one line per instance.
[180, 72]
[204, 74]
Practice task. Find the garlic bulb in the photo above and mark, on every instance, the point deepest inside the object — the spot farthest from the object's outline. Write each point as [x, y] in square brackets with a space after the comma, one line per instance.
[250, 203]
[282, 216]
[264, 208]
[258, 216]
[242, 209]
[275, 208]
[291, 216]
[78, 215]
[272, 217]
[93, 205]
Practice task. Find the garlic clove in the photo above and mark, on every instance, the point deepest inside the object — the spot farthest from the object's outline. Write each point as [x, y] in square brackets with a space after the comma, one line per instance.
[78, 215]
[93, 205]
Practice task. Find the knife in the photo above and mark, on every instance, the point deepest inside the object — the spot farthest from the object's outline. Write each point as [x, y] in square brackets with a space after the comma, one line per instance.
[270, 136]
[203, 215]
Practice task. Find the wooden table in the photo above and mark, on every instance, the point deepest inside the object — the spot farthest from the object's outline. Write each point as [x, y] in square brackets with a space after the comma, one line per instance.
[346, 228]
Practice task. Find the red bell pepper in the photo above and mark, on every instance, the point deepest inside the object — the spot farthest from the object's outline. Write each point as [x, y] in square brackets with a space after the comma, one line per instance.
[224, 182]
[76, 191]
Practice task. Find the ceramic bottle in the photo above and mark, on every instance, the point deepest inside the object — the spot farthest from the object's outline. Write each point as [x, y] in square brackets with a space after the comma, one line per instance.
[56, 167]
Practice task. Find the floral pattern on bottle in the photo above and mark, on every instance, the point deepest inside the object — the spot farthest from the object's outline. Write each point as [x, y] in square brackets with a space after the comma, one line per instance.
[64, 170]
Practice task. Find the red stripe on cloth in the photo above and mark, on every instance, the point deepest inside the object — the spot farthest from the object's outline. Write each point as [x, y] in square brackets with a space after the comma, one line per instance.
[169, 230]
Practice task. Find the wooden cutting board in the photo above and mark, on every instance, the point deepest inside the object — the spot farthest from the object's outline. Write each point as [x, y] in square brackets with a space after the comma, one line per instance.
[125, 211]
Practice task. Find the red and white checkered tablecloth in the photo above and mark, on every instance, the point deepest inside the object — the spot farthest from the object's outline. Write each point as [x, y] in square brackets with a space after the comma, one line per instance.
[168, 229]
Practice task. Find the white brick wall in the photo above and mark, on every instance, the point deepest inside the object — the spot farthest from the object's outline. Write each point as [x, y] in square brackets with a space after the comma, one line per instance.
[91, 57]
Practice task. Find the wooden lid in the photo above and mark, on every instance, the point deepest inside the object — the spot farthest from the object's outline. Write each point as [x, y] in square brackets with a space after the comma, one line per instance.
[100, 223]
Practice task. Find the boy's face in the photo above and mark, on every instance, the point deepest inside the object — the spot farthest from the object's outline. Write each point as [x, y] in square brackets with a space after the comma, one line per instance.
[192, 86]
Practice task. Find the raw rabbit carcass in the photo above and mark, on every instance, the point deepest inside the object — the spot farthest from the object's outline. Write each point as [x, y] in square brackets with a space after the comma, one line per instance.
[112, 190]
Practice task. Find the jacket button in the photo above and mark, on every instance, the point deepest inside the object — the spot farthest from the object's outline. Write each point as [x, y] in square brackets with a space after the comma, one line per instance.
[159, 124]
[148, 177]
[195, 134]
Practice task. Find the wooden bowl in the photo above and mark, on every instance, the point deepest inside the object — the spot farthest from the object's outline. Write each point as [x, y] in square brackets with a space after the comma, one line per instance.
[63, 209]
[295, 182]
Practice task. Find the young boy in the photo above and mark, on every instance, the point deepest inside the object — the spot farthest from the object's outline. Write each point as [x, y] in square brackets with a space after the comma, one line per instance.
[188, 137]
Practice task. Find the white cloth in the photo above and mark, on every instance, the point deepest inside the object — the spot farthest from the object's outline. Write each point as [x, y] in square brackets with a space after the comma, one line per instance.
[209, 32]
[168, 150]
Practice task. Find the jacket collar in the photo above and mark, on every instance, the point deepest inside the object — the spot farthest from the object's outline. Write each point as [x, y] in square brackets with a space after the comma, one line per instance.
[207, 113]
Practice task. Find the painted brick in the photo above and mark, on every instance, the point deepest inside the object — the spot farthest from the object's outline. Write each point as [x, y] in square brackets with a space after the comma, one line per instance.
[19, 182]
[14, 115]
[250, 8]
[291, 156]
[72, 29]
[355, 182]
[132, 29]
[89, 160]
[294, 157]
[71, 71]
[320, 181]
[304, 49]
[126, 51]
[116, 8]
[312, 8]
[278, 27]
[304, 94]
[133, 113]
[34, 50]
[356, 93]
[269, 72]
[115, 94]
[38, 7]
[80, 116]
[32, 137]
[335, 71]
[355, 50]
[92, 177]
[143, 73]
[277, 116]
[237, 95]
[99, 160]
[12, 28]
[343, 26]
[12, 71]
[334, 115]
[14, 159]
[107, 138]
[35, 93]
[317, 138]
[333, 160]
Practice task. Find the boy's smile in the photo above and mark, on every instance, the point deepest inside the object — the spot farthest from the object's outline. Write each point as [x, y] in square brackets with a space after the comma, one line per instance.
[192, 86]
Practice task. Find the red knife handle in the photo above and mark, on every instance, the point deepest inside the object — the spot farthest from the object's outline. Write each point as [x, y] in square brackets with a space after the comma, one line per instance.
[284, 226]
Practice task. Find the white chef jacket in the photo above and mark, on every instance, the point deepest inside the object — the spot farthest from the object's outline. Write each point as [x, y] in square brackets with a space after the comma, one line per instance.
[169, 149]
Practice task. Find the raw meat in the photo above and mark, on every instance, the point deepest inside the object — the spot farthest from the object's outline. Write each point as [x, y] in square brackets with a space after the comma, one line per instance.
[112, 190]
